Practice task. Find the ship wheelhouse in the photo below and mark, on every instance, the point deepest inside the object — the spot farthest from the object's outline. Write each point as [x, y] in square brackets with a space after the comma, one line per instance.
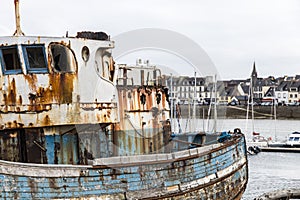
[57, 97]
[40, 76]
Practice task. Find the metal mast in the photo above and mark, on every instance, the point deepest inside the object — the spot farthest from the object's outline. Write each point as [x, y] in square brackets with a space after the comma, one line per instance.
[194, 102]
[215, 105]
[18, 31]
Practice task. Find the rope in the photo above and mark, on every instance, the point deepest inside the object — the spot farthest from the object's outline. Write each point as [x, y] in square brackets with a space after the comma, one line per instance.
[135, 129]
[264, 114]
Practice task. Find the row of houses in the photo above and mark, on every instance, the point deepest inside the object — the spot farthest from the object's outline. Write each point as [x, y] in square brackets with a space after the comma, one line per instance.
[204, 90]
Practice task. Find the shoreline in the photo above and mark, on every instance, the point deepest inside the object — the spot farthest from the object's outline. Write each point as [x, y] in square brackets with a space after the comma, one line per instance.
[240, 112]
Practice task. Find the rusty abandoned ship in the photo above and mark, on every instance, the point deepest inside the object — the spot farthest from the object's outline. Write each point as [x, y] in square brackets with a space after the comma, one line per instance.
[76, 126]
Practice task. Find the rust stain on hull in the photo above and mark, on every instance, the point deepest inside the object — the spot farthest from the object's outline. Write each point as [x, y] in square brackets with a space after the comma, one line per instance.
[62, 87]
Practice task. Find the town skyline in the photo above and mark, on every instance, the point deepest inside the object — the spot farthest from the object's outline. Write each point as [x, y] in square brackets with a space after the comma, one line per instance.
[239, 78]
[265, 91]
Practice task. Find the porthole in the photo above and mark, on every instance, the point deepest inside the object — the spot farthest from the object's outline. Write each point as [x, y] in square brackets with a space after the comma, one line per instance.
[85, 53]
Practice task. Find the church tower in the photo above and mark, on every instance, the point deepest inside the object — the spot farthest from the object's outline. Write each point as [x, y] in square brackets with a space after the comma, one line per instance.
[254, 88]
[254, 75]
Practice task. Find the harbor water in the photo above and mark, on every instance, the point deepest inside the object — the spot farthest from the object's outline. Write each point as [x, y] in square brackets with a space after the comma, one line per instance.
[272, 171]
[267, 171]
[278, 130]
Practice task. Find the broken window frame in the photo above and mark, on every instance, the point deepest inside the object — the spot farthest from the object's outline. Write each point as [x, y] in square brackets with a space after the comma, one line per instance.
[72, 69]
[31, 69]
[16, 61]
[104, 65]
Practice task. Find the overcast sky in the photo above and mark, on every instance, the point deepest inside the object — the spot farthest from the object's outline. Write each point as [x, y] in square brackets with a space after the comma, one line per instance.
[233, 33]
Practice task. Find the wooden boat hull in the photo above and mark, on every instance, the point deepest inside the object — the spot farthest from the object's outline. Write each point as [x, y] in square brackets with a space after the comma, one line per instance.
[217, 171]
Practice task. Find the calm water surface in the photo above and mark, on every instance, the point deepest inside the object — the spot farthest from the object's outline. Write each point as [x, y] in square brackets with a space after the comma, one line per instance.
[272, 171]
[267, 171]
[277, 129]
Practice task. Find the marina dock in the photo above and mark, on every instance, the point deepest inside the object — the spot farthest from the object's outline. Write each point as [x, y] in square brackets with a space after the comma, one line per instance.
[280, 149]
[256, 147]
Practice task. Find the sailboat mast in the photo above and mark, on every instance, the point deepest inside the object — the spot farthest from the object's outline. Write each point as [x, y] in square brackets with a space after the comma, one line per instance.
[252, 109]
[189, 115]
[203, 118]
[248, 102]
[171, 100]
[208, 113]
[215, 105]
[275, 112]
[194, 104]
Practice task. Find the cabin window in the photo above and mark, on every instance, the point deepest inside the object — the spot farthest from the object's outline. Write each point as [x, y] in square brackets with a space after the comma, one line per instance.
[35, 58]
[63, 59]
[103, 64]
[10, 60]
[106, 65]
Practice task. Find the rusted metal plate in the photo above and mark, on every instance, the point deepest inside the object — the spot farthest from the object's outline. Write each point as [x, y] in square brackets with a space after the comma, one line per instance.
[144, 113]
[56, 145]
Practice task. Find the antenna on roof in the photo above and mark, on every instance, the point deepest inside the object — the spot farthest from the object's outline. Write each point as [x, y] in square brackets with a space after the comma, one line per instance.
[18, 31]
